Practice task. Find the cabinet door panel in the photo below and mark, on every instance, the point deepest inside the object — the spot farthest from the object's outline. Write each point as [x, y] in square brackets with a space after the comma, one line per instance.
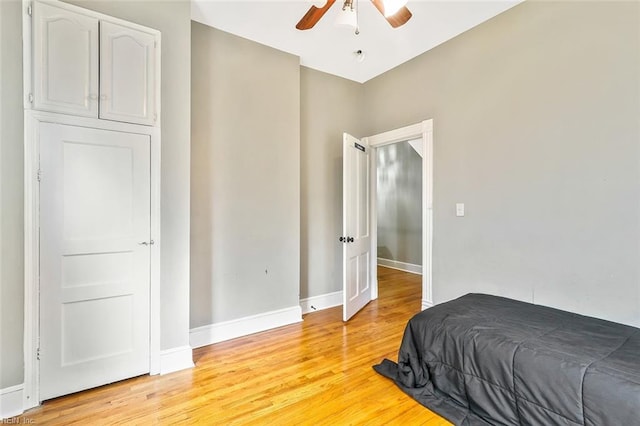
[65, 61]
[127, 74]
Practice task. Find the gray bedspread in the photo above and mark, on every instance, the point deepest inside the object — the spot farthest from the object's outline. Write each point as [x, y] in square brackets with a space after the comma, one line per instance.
[487, 360]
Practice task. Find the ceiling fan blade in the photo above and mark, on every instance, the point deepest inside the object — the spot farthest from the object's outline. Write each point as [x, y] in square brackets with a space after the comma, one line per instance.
[313, 15]
[397, 19]
[400, 17]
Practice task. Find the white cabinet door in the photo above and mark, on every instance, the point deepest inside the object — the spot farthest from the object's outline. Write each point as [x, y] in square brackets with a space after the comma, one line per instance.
[127, 74]
[94, 257]
[65, 62]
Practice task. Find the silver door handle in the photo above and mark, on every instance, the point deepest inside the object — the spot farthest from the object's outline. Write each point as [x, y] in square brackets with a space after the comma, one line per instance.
[145, 243]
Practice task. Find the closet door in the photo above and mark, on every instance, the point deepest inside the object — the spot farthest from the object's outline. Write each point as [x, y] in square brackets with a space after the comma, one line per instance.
[127, 73]
[94, 257]
[65, 62]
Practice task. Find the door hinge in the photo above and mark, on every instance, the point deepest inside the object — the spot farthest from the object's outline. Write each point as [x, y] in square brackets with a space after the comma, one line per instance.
[38, 354]
[30, 10]
[39, 175]
[30, 97]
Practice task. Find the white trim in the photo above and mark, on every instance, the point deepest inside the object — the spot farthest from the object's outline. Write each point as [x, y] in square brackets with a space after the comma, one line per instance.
[427, 214]
[401, 266]
[402, 134]
[11, 402]
[227, 330]
[323, 301]
[424, 131]
[176, 359]
[426, 305]
[32, 120]
[31, 261]
[156, 249]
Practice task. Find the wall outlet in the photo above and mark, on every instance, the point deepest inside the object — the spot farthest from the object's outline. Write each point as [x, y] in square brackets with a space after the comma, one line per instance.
[459, 209]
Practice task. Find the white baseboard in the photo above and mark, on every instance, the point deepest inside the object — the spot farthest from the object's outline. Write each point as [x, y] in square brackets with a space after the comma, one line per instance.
[323, 301]
[426, 304]
[402, 266]
[227, 330]
[176, 359]
[11, 402]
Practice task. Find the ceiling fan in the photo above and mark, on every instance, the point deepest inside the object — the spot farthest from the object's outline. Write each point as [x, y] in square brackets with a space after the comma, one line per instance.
[394, 11]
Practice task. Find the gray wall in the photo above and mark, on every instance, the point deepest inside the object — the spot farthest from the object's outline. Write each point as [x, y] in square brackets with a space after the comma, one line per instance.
[173, 19]
[330, 105]
[11, 197]
[399, 199]
[245, 192]
[537, 129]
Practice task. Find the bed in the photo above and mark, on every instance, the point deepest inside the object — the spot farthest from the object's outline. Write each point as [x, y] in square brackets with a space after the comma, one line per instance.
[487, 360]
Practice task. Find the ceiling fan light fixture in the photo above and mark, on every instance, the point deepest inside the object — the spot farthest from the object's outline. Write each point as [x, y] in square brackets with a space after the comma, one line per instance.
[347, 17]
[391, 7]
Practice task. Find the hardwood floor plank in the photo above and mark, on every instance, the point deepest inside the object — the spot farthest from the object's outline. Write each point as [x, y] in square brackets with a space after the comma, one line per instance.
[318, 372]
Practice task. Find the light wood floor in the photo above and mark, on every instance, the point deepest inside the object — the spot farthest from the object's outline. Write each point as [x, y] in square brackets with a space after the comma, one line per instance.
[317, 372]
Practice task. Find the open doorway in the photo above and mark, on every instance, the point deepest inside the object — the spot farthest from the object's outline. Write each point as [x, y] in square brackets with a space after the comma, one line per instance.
[399, 195]
[421, 135]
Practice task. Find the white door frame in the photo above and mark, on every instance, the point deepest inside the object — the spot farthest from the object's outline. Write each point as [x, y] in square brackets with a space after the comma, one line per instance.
[423, 130]
[32, 120]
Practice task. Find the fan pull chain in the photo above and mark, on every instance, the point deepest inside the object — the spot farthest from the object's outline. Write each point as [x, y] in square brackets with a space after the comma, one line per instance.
[357, 17]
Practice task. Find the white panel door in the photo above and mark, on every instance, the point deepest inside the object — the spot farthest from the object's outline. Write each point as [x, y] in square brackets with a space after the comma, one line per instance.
[65, 63]
[127, 74]
[94, 257]
[356, 237]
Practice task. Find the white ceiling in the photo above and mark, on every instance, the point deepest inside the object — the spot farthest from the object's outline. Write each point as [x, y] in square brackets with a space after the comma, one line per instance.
[332, 49]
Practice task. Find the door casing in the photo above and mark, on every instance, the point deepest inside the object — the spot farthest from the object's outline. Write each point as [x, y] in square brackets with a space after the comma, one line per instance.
[423, 130]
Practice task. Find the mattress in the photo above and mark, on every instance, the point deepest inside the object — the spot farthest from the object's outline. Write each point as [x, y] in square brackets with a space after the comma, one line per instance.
[487, 360]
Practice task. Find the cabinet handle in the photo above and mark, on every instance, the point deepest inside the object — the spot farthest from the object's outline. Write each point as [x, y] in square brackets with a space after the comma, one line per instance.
[93, 97]
[104, 97]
